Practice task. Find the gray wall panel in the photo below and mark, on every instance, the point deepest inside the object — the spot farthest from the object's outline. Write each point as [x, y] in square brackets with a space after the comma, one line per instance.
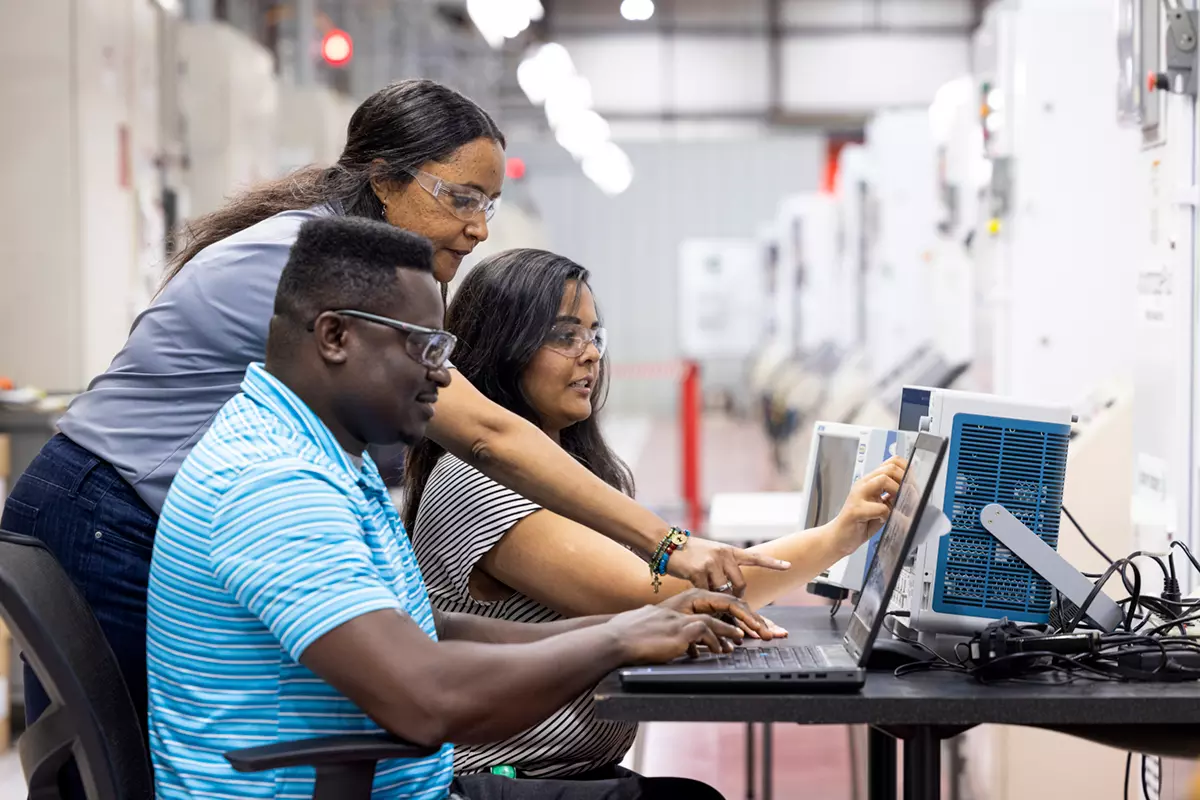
[630, 242]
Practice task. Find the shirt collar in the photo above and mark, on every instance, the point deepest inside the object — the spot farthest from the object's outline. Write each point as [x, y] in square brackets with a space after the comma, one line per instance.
[265, 389]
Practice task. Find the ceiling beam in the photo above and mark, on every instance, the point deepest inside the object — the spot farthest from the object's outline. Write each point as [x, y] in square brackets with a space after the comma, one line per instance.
[837, 120]
[744, 31]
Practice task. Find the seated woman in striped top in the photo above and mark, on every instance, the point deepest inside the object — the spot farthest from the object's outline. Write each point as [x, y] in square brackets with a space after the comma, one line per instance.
[530, 338]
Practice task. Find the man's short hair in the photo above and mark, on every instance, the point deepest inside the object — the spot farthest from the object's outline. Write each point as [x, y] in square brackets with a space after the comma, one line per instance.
[346, 262]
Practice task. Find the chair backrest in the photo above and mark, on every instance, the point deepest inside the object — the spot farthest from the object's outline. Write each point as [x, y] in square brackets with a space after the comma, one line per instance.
[91, 717]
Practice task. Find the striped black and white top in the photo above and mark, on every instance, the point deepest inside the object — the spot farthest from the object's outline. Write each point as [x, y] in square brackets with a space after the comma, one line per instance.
[463, 515]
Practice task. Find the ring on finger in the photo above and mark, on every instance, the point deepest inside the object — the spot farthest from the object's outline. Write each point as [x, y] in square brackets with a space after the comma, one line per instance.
[724, 587]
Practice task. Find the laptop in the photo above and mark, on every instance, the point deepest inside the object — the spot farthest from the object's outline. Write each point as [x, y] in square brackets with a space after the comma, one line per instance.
[837, 666]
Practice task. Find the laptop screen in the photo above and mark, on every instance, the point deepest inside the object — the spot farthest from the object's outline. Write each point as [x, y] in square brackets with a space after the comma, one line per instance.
[894, 544]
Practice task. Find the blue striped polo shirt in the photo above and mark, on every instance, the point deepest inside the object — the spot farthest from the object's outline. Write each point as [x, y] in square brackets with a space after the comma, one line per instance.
[269, 538]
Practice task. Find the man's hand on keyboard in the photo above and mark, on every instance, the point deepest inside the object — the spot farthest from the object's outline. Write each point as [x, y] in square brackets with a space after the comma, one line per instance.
[868, 505]
[725, 607]
[656, 634]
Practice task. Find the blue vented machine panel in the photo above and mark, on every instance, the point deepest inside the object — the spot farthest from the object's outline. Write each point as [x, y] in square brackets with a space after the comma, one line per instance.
[1022, 466]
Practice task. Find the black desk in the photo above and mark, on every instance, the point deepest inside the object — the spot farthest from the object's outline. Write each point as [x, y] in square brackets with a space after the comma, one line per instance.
[926, 708]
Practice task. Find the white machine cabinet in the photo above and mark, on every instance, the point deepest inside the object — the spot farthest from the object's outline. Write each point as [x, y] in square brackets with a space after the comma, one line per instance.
[808, 251]
[1165, 401]
[1063, 199]
[229, 96]
[901, 153]
[721, 298]
[1073, 200]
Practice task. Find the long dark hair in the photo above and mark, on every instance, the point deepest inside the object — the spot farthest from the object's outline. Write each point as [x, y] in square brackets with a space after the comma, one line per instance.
[501, 315]
[402, 125]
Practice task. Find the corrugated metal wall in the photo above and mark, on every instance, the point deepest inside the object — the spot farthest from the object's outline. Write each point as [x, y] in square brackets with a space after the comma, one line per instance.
[630, 242]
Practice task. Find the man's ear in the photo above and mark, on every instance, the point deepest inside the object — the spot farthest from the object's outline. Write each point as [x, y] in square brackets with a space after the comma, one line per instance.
[332, 334]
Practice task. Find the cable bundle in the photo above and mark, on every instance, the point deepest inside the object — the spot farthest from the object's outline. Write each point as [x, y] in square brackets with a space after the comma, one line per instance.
[1151, 645]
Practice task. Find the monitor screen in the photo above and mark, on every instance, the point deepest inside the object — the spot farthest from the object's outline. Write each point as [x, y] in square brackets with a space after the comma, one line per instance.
[894, 543]
[914, 404]
[830, 474]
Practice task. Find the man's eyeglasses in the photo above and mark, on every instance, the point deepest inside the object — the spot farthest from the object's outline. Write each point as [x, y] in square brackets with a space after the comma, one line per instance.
[572, 340]
[429, 347]
[463, 202]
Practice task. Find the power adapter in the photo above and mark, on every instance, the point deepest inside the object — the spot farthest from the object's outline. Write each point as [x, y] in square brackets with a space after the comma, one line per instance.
[1004, 638]
[1170, 592]
[828, 589]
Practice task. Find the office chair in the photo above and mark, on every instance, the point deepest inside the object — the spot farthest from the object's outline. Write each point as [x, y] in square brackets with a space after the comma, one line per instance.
[91, 718]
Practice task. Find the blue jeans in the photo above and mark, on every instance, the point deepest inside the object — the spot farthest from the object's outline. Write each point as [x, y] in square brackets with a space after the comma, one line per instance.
[103, 534]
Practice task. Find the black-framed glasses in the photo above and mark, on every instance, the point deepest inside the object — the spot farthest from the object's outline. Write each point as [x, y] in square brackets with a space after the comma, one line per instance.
[464, 202]
[429, 347]
[572, 340]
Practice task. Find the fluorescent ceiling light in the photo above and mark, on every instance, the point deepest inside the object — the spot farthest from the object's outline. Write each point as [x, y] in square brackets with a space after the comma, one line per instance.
[498, 20]
[637, 10]
[609, 168]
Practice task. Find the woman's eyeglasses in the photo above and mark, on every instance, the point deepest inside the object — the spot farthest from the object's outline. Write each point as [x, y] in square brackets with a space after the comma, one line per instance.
[429, 347]
[463, 202]
[572, 340]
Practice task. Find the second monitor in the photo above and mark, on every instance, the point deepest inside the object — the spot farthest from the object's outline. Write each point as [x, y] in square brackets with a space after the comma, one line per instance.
[838, 456]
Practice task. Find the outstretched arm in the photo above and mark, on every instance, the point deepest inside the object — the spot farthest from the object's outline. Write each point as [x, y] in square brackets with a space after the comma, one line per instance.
[575, 571]
[513, 452]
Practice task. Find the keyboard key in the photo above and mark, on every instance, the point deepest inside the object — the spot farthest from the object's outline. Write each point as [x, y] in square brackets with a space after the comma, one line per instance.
[773, 658]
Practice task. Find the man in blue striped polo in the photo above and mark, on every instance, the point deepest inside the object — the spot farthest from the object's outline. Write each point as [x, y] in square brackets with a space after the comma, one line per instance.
[285, 601]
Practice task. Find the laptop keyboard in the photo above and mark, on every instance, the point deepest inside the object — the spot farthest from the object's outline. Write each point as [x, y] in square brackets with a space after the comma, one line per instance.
[777, 658]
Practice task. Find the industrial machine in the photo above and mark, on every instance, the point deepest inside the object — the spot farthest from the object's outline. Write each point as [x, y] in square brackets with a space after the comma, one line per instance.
[889, 250]
[848, 388]
[229, 96]
[961, 330]
[767, 371]
[87, 85]
[1043, 123]
[902, 208]
[721, 299]
[856, 230]
[924, 366]
[1070, 250]
[312, 125]
[806, 283]
[836, 299]
[1157, 41]
[808, 243]
[1060, 232]
[798, 387]
[776, 347]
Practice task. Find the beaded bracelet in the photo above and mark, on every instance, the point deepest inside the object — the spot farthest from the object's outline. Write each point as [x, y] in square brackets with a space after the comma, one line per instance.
[676, 539]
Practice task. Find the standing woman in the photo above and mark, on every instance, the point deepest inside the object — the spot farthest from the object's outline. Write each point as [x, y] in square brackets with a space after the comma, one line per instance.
[418, 155]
